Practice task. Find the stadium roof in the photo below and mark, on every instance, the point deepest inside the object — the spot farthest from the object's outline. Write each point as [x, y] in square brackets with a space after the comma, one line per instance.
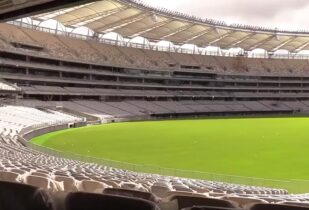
[20, 8]
[131, 19]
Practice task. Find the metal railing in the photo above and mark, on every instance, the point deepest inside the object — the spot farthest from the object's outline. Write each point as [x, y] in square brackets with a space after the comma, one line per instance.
[293, 186]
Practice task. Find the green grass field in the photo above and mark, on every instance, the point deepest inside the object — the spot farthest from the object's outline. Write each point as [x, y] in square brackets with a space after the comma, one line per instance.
[268, 148]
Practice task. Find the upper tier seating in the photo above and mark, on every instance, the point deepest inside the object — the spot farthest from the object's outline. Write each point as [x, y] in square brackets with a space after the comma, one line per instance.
[132, 108]
[92, 51]
[10, 34]
[19, 164]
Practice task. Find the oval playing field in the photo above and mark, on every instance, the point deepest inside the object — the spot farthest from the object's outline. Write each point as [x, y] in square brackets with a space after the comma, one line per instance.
[271, 148]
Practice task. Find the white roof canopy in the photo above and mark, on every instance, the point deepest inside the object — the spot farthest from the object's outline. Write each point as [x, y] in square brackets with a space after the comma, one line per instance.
[131, 19]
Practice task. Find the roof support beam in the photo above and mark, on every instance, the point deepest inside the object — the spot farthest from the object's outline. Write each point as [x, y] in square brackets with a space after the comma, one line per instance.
[181, 29]
[53, 14]
[126, 23]
[91, 18]
[301, 47]
[199, 35]
[221, 37]
[260, 43]
[289, 40]
[239, 41]
[155, 26]
[123, 23]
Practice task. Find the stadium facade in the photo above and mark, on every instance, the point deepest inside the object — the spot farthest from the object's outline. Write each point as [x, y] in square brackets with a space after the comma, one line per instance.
[57, 77]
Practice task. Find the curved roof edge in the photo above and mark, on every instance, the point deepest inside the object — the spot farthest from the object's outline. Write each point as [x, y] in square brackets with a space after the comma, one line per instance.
[132, 18]
[211, 22]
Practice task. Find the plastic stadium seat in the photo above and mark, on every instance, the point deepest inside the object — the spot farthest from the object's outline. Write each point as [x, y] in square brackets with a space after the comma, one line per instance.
[130, 193]
[9, 176]
[191, 201]
[16, 196]
[37, 181]
[83, 201]
[273, 199]
[131, 186]
[40, 174]
[277, 207]
[159, 191]
[242, 201]
[182, 189]
[68, 183]
[170, 194]
[110, 183]
[18, 171]
[41, 182]
[91, 186]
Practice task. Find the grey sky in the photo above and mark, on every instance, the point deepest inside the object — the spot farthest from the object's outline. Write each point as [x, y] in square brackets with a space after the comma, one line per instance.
[284, 14]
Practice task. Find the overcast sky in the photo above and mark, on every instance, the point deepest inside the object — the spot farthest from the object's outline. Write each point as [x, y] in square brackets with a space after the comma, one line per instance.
[284, 14]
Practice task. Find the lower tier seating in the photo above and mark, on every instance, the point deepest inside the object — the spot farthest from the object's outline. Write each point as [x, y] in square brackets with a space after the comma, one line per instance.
[6, 87]
[131, 108]
[30, 179]
[16, 196]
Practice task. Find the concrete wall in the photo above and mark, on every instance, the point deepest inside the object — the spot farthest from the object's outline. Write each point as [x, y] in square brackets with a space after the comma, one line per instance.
[41, 131]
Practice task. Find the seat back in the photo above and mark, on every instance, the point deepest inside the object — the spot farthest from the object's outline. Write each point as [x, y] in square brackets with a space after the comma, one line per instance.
[16, 196]
[159, 191]
[9, 176]
[68, 183]
[243, 201]
[191, 201]
[130, 193]
[209, 208]
[91, 186]
[81, 201]
[37, 181]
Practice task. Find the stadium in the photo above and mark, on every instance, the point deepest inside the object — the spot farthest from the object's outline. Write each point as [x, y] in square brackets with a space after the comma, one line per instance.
[115, 104]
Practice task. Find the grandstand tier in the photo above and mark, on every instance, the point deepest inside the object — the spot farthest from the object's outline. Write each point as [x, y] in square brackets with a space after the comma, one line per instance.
[55, 71]
[52, 80]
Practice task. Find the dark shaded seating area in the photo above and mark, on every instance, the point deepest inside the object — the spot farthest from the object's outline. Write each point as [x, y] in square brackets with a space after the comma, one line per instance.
[131, 193]
[189, 201]
[84, 201]
[18, 196]
[209, 208]
[276, 207]
[15, 196]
